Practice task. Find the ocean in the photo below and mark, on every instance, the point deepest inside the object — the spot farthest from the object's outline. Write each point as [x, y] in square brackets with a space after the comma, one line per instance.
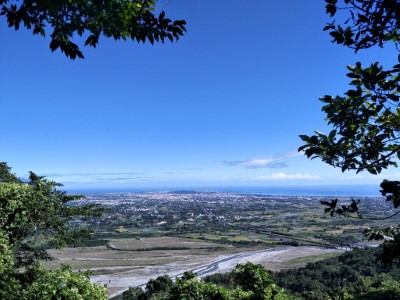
[295, 190]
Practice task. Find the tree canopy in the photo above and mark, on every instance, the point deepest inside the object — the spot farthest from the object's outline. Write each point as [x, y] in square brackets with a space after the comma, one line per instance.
[33, 216]
[118, 19]
[368, 22]
[351, 275]
[366, 119]
[35, 211]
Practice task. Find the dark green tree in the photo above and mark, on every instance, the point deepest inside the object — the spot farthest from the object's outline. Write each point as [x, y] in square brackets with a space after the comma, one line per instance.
[251, 277]
[188, 275]
[118, 19]
[366, 119]
[386, 290]
[133, 293]
[160, 284]
[352, 275]
[367, 23]
[6, 175]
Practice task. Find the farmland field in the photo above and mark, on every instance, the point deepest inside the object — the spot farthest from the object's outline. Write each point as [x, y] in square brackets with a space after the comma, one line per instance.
[144, 235]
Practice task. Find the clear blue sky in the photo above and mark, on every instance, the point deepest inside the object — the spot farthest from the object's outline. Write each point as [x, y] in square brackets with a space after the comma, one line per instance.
[223, 106]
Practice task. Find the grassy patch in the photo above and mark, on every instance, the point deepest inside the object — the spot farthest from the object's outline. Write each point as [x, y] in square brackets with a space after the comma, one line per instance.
[89, 264]
[302, 261]
[111, 271]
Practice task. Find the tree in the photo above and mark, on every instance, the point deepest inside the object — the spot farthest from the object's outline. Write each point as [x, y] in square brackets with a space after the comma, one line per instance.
[366, 120]
[255, 279]
[8, 284]
[352, 275]
[63, 284]
[6, 175]
[34, 215]
[133, 293]
[37, 211]
[386, 290]
[197, 289]
[160, 284]
[119, 19]
[250, 276]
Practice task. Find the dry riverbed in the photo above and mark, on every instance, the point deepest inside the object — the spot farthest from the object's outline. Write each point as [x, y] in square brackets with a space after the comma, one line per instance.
[134, 262]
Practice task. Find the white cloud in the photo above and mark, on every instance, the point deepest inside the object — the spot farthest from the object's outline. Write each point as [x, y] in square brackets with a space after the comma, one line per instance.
[89, 178]
[284, 176]
[275, 162]
[257, 163]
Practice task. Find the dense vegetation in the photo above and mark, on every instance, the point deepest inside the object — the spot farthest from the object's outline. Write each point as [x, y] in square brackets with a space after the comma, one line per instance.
[365, 121]
[352, 275]
[34, 215]
[118, 19]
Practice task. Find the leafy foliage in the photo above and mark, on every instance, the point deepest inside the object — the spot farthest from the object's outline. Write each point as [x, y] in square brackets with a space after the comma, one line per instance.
[119, 19]
[32, 213]
[366, 123]
[385, 290]
[8, 283]
[36, 211]
[352, 275]
[133, 293]
[224, 279]
[253, 278]
[366, 120]
[63, 284]
[6, 175]
[345, 210]
[160, 284]
[370, 22]
[194, 289]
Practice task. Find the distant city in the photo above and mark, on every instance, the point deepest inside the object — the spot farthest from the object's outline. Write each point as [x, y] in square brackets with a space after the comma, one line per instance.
[289, 190]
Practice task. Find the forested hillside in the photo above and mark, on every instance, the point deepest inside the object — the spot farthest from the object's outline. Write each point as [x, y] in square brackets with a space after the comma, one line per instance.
[352, 275]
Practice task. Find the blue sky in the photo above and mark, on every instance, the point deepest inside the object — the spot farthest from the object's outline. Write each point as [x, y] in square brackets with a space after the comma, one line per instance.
[222, 106]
